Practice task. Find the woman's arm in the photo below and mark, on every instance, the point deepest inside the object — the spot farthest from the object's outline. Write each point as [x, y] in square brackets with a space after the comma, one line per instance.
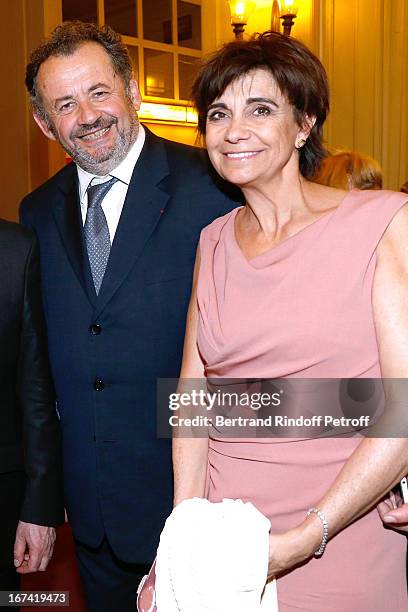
[189, 453]
[377, 463]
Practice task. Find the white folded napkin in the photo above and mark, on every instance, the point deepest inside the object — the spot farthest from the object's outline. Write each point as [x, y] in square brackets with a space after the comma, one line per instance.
[213, 557]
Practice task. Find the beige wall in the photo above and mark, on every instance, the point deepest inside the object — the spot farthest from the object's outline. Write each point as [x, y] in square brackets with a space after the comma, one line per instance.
[179, 133]
[27, 159]
[14, 166]
[364, 46]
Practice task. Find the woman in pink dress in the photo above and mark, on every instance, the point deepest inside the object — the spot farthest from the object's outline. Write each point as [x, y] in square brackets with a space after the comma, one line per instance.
[304, 281]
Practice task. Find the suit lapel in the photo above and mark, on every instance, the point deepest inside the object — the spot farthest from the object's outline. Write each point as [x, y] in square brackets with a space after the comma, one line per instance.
[67, 215]
[145, 202]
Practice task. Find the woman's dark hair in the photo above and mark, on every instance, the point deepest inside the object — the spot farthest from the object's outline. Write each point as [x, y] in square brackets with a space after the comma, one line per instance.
[65, 40]
[298, 73]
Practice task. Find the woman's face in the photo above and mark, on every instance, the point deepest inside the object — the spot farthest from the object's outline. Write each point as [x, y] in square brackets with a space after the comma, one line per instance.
[251, 131]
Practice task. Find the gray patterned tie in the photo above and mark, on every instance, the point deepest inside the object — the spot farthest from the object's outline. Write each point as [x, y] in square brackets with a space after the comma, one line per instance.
[96, 231]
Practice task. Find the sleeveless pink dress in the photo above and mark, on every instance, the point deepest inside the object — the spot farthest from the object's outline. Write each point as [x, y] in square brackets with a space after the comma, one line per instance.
[302, 309]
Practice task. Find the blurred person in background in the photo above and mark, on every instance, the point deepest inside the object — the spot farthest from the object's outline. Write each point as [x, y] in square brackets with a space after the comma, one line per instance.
[350, 170]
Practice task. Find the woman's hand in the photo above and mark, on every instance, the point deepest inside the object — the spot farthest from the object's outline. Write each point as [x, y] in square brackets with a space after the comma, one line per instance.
[288, 549]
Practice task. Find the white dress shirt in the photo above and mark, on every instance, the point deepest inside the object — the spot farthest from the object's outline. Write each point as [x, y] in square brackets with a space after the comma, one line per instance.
[112, 204]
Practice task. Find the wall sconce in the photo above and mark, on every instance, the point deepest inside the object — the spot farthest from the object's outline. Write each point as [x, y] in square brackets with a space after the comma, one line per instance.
[288, 13]
[275, 17]
[240, 12]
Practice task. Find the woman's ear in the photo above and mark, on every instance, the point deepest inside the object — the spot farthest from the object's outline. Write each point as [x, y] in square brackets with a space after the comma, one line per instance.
[304, 131]
[308, 124]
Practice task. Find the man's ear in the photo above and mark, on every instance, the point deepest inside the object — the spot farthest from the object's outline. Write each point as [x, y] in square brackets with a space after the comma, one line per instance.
[135, 93]
[44, 127]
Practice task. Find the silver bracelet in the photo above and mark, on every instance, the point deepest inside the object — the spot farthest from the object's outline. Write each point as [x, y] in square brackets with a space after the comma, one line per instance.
[325, 536]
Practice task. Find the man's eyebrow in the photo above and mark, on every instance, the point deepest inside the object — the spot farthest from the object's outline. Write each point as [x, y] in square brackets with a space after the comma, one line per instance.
[63, 99]
[71, 96]
[97, 86]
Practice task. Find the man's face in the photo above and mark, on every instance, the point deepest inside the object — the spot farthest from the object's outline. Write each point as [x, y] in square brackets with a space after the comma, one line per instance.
[89, 111]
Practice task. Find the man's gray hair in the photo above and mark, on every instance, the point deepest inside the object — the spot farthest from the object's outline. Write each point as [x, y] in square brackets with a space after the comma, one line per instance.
[65, 40]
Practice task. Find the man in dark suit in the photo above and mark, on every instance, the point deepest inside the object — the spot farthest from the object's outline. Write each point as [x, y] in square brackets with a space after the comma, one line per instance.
[30, 463]
[118, 230]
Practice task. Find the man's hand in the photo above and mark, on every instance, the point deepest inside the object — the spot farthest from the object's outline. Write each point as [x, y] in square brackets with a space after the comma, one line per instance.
[33, 547]
[393, 513]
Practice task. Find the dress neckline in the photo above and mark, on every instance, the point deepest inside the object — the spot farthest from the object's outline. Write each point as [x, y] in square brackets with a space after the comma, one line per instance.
[287, 242]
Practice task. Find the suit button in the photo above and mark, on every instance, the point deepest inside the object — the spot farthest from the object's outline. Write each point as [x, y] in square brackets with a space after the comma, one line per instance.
[99, 385]
[95, 329]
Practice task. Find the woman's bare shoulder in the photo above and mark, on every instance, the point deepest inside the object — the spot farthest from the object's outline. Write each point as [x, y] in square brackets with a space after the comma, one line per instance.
[395, 237]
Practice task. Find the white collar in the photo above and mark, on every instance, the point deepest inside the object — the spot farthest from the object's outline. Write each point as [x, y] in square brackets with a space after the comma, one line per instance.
[123, 172]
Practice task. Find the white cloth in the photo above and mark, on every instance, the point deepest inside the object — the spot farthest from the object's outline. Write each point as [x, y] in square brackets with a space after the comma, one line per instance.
[112, 204]
[213, 557]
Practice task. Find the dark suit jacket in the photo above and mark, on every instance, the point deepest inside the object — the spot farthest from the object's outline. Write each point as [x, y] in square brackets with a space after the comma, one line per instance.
[107, 351]
[29, 429]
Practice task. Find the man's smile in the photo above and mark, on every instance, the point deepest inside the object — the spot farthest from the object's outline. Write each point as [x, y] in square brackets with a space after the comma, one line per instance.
[95, 135]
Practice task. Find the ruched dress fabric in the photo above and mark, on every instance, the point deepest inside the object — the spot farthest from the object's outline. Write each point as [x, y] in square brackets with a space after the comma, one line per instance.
[302, 309]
